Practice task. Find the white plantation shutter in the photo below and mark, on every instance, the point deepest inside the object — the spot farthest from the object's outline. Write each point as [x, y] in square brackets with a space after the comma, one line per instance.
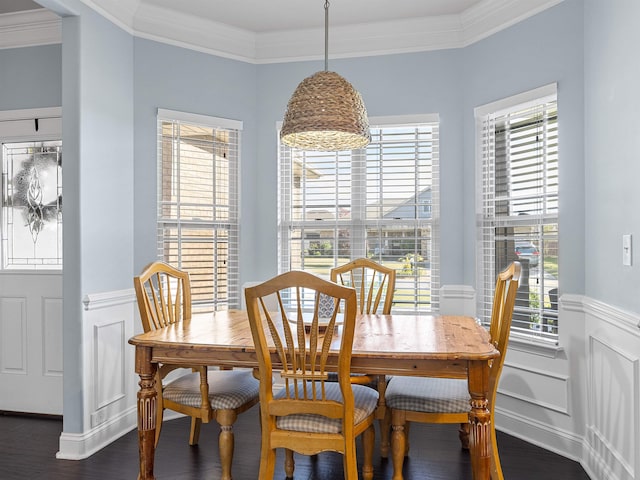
[380, 202]
[198, 204]
[518, 219]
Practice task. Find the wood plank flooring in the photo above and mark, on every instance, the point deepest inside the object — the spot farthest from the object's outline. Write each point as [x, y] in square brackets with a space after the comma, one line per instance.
[28, 446]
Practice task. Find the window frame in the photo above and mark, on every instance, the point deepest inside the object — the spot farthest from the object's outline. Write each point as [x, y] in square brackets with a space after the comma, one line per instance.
[225, 291]
[544, 343]
[359, 224]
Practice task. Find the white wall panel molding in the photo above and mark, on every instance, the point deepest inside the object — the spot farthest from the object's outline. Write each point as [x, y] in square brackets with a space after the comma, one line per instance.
[627, 321]
[109, 342]
[547, 390]
[29, 28]
[93, 301]
[458, 300]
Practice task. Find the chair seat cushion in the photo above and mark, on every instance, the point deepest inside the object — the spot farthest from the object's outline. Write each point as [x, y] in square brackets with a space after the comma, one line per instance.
[429, 395]
[365, 402]
[228, 389]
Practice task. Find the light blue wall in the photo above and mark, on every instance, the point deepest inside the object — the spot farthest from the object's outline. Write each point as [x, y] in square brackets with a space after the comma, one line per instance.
[543, 49]
[30, 77]
[612, 149]
[184, 80]
[97, 95]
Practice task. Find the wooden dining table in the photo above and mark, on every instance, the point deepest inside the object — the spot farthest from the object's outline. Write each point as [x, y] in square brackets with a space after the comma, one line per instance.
[416, 345]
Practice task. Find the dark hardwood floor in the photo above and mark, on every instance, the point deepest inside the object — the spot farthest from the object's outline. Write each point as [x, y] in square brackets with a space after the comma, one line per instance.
[28, 446]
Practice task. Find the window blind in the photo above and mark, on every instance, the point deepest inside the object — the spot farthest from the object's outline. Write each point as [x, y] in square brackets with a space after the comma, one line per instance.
[198, 205]
[519, 211]
[380, 202]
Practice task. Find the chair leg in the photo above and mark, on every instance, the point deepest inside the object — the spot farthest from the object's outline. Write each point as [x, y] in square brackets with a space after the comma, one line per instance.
[463, 435]
[398, 440]
[350, 461]
[289, 463]
[267, 462]
[407, 436]
[226, 419]
[368, 444]
[194, 434]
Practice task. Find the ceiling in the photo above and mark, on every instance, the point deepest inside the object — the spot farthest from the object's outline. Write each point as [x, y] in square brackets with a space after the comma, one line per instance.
[261, 31]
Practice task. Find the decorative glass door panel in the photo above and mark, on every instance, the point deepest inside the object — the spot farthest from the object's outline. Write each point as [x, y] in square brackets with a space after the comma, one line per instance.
[32, 205]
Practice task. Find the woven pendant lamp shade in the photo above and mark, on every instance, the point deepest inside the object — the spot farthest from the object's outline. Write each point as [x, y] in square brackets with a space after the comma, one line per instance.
[325, 113]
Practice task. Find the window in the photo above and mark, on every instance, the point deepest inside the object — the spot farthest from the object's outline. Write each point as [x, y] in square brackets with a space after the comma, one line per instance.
[380, 202]
[519, 207]
[198, 204]
[31, 213]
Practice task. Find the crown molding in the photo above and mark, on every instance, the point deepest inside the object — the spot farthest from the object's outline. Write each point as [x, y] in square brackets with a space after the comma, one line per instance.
[361, 40]
[188, 31]
[491, 16]
[29, 28]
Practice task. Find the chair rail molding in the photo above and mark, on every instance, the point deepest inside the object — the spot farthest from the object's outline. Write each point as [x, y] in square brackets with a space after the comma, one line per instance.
[458, 300]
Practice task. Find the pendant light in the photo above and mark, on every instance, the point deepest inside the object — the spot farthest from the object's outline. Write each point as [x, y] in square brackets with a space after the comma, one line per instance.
[325, 113]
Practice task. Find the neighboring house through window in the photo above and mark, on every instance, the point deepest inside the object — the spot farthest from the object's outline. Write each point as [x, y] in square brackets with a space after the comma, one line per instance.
[380, 202]
[518, 215]
[198, 204]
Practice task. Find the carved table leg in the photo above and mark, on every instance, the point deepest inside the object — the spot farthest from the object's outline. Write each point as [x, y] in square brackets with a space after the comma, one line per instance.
[384, 416]
[147, 406]
[480, 421]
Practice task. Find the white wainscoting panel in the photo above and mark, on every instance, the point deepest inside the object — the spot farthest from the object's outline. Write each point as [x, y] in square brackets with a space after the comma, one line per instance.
[109, 364]
[612, 428]
[612, 437]
[544, 389]
[110, 382]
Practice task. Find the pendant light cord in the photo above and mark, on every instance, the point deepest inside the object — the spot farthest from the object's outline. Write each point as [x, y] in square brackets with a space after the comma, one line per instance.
[326, 35]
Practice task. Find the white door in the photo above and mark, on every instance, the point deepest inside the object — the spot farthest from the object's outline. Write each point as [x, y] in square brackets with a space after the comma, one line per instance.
[31, 261]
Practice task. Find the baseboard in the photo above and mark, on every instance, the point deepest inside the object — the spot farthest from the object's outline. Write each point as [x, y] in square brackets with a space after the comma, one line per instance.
[77, 446]
[543, 435]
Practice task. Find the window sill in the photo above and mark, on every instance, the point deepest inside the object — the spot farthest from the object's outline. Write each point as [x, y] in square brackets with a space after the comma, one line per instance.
[543, 348]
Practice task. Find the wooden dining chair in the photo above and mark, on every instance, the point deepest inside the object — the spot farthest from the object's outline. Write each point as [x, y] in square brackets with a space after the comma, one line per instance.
[164, 298]
[375, 285]
[309, 415]
[445, 400]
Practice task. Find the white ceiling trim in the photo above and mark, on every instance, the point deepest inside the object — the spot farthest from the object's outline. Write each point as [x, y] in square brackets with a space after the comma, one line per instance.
[345, 41]
[184, 30]
[29, 28]
[491, 16]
